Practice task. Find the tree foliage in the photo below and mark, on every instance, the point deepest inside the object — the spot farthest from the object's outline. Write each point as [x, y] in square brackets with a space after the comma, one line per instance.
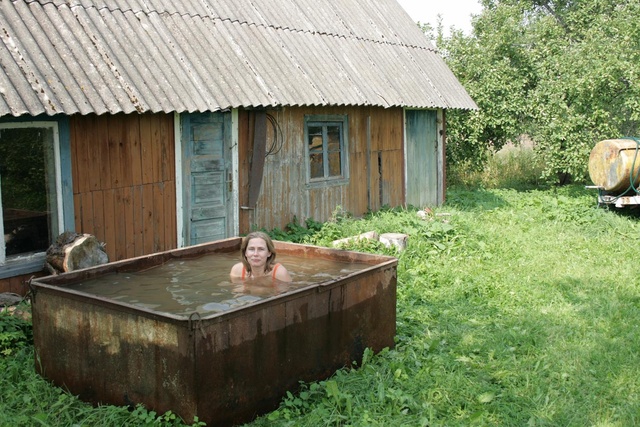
[563, 72]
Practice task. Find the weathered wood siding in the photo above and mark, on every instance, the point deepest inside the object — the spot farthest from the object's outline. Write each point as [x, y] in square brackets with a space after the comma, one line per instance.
[376, 163]
[124, 181]
[19, 284]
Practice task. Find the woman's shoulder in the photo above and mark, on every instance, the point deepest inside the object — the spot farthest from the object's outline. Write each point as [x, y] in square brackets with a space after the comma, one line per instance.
[280, 272]
[236, 270]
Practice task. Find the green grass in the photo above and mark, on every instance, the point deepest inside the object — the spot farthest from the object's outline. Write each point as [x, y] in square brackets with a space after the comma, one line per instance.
[522, 309]
[517, 167]
[515, 308]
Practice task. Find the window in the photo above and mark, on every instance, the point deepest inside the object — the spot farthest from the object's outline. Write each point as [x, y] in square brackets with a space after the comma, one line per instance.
[30, 195]
[326, 149]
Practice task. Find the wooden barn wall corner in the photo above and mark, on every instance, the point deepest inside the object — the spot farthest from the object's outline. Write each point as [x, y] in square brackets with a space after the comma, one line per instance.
[124, 192]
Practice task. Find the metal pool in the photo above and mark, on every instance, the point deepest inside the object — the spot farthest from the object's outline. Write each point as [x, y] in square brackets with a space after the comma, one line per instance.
[223, 367]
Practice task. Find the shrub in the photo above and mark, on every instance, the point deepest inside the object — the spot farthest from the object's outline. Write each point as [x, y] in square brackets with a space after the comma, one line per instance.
[514, 167]
[15, 332]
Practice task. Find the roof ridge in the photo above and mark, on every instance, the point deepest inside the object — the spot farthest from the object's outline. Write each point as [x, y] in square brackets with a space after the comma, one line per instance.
[78, 3]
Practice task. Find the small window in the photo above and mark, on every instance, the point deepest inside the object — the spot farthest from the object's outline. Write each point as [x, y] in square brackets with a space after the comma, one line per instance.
[326, 149]
[29, 188]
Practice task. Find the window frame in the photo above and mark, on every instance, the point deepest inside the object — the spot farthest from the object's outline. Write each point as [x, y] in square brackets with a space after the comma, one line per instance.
[15, 265]
[325, 119]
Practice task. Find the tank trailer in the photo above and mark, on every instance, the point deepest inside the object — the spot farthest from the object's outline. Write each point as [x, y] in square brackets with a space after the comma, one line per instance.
[614, 168]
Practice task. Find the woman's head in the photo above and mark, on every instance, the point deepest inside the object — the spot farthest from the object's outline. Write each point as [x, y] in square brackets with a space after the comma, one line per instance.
[255, 242]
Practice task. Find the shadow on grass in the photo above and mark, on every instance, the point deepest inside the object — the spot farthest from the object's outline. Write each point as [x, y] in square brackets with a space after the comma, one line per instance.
[630, 212]
[473, 199]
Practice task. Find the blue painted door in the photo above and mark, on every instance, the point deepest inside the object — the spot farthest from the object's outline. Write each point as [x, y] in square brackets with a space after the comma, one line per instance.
[206, 177]
[423, 152]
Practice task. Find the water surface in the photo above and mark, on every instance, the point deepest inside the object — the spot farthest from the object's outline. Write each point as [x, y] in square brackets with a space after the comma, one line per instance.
[184, 286]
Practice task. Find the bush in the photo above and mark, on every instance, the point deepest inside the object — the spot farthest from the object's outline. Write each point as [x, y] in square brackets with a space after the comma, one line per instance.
[15, 332]
[514, 167]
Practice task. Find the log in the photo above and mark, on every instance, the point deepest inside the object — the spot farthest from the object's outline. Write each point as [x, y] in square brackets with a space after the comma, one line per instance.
[72, 251]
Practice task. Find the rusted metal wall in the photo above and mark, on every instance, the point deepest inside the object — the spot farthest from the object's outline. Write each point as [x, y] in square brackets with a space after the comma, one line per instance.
[123, 170]
[116, 356]
[226, 368]
[264, 351]
[376, 164]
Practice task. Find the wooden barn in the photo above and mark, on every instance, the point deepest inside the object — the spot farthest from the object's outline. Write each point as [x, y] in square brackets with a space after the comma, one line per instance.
[157, 124]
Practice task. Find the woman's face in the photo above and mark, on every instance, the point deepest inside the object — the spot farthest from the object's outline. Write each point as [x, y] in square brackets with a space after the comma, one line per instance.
[257, 253]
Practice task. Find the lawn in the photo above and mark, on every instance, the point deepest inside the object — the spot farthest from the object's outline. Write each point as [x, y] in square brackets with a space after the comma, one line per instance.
[515, 308]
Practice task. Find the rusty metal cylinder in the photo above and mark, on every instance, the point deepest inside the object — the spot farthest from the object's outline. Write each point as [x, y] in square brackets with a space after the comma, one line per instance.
[613, 163]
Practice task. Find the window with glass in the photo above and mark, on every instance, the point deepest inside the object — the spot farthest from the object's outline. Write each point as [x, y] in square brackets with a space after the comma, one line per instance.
[29, 188]
[326, 148]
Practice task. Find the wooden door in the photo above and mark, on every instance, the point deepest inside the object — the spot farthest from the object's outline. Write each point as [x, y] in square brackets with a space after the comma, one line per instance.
[206, 176]
[423, 173]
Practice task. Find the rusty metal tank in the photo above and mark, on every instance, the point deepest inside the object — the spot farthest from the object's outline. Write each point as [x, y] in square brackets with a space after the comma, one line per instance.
[225, 368]
[613, 162]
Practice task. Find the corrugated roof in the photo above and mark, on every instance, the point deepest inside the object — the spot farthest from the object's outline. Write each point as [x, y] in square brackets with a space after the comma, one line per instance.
[110, 56]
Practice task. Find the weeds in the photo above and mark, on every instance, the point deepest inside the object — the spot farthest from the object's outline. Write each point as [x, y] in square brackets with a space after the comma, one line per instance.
[294, 231]
[514, 167]
[15, 332]
[513, 308]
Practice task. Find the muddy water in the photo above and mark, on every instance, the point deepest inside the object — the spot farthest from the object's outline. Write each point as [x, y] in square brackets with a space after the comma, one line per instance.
[184, 286]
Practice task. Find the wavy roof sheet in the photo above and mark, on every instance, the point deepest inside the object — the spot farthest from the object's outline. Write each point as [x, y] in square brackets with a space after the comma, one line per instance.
[111, 56]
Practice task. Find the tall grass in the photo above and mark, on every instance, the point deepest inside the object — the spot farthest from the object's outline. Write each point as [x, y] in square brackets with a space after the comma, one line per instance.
[516, 167]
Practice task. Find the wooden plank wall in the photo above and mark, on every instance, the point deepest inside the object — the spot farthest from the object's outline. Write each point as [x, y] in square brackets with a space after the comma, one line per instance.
[19, 284]
[124, 191]
[246, 123]
[376, 161]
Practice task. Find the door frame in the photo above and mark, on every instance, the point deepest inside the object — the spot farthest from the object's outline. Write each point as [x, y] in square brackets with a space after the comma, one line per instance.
[233, 209]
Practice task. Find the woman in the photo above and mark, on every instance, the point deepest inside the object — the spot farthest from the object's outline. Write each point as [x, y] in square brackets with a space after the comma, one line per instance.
[258, 259]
